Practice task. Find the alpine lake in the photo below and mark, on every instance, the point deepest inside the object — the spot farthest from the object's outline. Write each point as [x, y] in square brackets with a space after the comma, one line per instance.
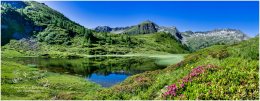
[105, 70]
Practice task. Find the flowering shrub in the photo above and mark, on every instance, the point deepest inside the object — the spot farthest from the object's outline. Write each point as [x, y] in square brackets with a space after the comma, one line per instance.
[172, 89]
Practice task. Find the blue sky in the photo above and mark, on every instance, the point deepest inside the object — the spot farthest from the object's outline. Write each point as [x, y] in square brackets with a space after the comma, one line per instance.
[185, 15]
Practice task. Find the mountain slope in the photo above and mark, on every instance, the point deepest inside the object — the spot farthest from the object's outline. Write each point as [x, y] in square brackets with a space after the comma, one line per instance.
[36, 17]
[14, 24]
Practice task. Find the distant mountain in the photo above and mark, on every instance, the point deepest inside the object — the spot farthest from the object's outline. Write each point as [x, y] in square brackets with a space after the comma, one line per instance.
[116, 30]
[198, 40]
[146, 27]
[103, 29]
[194, 40]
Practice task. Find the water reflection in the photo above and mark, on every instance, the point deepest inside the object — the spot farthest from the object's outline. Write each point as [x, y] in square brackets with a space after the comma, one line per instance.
[108, 80]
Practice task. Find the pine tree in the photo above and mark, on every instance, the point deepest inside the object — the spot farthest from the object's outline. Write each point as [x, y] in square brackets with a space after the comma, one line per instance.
[89, 42]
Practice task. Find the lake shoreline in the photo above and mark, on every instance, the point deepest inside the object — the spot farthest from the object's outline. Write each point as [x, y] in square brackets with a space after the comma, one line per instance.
[121, 65]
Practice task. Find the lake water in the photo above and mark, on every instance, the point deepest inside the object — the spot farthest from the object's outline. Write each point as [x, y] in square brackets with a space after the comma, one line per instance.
[104, 70]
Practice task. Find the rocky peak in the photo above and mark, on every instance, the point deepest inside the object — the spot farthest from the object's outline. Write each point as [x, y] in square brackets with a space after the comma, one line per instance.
[172, 30]
[145, 27]
[147, 22]
[103, 29]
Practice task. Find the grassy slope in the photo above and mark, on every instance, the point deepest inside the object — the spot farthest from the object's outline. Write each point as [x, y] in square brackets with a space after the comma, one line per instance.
[21, 82]
[156, 43]
[236, 76]
[159, 42]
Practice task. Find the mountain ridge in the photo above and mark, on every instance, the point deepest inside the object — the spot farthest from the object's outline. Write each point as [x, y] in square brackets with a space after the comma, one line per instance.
[195, 40]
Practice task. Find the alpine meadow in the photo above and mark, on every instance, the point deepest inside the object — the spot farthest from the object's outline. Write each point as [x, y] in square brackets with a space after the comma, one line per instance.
[132, 50]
